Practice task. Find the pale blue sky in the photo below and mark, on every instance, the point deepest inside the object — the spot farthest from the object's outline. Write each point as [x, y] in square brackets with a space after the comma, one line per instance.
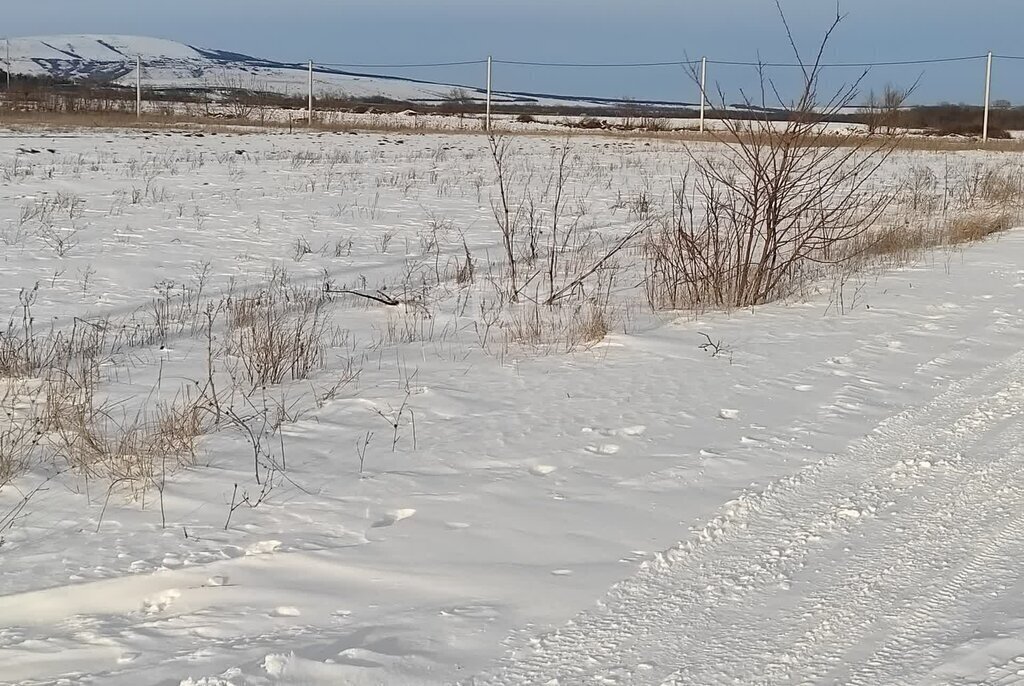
[376, 31]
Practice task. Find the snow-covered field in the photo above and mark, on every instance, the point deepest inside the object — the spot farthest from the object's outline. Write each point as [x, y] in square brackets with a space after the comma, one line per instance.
[462, 491]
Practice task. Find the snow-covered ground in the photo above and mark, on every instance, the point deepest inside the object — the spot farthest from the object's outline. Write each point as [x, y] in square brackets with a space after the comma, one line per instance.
[828, 497]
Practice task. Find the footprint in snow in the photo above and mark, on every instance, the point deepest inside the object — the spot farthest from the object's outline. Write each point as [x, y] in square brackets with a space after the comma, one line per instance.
[472, 612]
[726, 413]
[263, 548]
[160, 601]
[542, 469]
[635, 430]
[286, 611]
[393, 517]
[603, 449]
[803, 388]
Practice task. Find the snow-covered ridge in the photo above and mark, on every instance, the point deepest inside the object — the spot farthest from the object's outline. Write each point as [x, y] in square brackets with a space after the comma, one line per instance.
[170, 64]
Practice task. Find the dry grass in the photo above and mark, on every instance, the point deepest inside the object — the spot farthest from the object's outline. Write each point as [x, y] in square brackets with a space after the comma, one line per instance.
[556, 330]
[971, 206]
[977, 226]
[133, 449]
[60, 419]
[277, 334]
[898, 244]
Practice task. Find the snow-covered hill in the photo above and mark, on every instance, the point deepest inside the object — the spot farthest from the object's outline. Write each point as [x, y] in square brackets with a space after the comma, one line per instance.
[169, 64]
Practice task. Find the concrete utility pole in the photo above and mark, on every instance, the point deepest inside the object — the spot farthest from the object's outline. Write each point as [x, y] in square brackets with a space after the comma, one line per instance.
[138, 87]
[988, 96]
[487, 120]
[703, 89]
[310, 121]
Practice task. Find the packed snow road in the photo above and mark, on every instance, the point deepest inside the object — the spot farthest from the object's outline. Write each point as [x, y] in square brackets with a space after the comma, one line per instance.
[869, 567]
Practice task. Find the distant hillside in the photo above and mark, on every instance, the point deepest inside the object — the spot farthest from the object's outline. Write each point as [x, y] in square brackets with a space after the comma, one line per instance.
[169, 64]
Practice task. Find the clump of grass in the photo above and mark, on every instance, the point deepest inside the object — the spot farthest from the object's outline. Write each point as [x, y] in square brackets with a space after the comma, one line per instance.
[977, 226]
[132, 449]
[277, 334]
[557, 330]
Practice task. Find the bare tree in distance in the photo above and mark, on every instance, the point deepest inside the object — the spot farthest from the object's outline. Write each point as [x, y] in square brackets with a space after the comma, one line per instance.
[244, 94]
[883, 111]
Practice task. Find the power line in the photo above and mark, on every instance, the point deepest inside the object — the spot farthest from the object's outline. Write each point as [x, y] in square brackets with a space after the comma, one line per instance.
[606, 65]
[859, 65]
[399, 66]
[582, 65]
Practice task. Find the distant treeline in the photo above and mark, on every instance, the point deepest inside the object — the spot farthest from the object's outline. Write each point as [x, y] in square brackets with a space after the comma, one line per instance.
[50, 94]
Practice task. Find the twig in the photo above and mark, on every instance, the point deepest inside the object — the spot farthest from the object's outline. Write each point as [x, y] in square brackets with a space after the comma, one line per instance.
[380, 296]
[361, 449]
[268, 486]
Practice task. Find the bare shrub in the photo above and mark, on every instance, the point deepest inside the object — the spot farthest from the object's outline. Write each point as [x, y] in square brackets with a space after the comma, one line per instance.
[553, 290]
[781, 201]
[508, 210]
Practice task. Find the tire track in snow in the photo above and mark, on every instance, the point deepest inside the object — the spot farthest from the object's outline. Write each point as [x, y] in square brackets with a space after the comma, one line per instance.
[918, 624]
[911, 591]
[702, 612]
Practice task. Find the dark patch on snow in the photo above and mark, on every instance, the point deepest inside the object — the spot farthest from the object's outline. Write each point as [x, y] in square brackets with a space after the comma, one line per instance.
[66, 52]
[108, 46]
